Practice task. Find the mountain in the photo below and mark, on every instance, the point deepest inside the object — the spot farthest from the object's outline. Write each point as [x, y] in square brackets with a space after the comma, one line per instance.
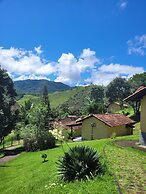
[56, 98]
[36, 86]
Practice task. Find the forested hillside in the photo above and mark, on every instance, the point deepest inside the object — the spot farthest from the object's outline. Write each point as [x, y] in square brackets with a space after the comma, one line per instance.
[84, 100]
[36, 86]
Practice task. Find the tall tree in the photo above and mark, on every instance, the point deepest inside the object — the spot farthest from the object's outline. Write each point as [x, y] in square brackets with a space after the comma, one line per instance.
[118, 89]
[45, 97]
[97, 94]
[137, 80]
[8, 115]
[95, 102]
[46, 102]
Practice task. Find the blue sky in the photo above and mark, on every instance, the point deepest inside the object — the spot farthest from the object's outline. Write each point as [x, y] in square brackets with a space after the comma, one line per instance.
[73, 41]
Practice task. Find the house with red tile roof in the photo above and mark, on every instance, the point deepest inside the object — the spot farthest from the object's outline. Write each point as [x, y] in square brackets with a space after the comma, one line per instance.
[99, 126]
[68, 126]
[139, 96]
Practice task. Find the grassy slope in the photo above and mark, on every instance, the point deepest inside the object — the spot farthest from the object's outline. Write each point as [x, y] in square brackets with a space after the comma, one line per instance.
[56, 98]
[27, 173]
[27, 97]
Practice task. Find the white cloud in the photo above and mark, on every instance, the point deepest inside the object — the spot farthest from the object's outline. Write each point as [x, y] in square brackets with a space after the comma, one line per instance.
[123, 4]
[20, 61]
[38, 50]
[137, 45]
[69, 69]
[120, 69]
[101, 78]
[32, 77]
[87, 53]
[106, 73]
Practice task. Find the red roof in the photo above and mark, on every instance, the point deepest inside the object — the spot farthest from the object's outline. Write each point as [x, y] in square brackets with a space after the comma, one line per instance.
[112, 120]
[74, 123]
[137, 95]
[70, 122]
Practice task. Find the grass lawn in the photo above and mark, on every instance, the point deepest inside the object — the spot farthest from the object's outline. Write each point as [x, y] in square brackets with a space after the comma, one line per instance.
[28, 175]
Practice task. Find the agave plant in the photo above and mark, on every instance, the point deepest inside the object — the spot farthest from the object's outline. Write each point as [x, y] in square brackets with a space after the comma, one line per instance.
[79, 163]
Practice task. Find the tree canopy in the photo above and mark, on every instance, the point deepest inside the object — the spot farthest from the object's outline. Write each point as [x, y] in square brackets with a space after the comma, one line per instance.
[8, 114]
[118, 89]
[137, 80]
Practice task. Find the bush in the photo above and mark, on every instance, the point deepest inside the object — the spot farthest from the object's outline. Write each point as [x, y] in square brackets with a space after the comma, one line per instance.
[80, 163]
[35, 139]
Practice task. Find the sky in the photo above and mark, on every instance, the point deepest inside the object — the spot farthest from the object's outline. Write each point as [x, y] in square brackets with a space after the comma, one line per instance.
[76, 42]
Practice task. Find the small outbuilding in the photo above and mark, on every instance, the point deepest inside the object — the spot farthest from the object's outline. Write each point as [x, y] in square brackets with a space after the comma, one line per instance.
[139, 96]
[115, 107]
[99, 126]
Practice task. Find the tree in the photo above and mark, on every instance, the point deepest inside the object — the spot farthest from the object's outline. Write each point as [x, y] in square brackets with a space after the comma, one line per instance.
[36, 133]
[137, 80]
[46, 103]
[45, 97]
[25, 112]
[95, 102]
[118, 89]
[97, 94]
[8, 115]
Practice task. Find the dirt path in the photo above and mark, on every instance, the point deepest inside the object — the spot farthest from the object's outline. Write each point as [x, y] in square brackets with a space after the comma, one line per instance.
[5, 159]
[10, 153]
[130, 143]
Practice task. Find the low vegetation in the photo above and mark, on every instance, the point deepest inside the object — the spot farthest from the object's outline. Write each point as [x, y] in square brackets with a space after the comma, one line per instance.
[126, 165]
[80, 163]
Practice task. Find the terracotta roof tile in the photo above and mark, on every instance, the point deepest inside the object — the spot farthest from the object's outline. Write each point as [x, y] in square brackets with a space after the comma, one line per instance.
[113, 120]
[138, 94]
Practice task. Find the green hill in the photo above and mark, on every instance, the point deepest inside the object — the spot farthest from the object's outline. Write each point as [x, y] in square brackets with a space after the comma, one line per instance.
[36, 86]
[35, 99]
[73, 99]
[56, 98]
[76, 102]
[59, 98]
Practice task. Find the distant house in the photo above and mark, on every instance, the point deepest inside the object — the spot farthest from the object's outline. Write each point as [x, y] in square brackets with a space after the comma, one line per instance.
[69, 126]
[99, 126]
[115, 107]
[139, 96]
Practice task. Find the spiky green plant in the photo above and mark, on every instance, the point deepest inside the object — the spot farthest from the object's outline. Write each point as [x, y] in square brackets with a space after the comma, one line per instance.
[79, 163]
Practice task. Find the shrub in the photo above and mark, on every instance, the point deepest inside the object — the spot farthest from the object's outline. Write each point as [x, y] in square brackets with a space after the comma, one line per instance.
[28, 134]
[36, 139]
[35, 134]
[80, 163]
[44, 156]
[45, 140]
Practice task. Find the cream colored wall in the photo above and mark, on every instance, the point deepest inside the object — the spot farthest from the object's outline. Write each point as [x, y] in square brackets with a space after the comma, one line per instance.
[101, 130]
[120, 131]
[113, 108]
[143, 115]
